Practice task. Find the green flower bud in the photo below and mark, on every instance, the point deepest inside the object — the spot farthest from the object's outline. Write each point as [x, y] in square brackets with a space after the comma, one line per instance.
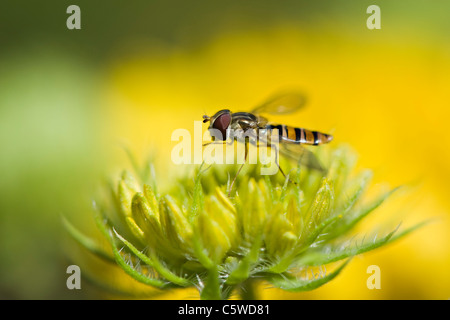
[196, 235]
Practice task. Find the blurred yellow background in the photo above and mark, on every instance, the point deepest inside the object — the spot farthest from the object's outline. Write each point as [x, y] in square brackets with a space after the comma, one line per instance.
[69, 99]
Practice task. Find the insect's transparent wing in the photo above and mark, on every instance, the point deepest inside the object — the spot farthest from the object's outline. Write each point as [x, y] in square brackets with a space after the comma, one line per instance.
[282, 103]
[301, 155]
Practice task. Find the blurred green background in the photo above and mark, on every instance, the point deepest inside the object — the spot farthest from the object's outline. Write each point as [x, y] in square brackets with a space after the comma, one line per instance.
[60, 135]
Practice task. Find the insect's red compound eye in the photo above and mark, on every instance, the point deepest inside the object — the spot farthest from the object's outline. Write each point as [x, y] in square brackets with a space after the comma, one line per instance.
[221, 123]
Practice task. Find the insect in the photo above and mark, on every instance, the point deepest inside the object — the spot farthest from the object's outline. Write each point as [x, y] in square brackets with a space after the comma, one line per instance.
[291, 139]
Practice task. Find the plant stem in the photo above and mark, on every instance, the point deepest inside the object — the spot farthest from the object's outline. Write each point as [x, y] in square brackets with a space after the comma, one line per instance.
[248, 290]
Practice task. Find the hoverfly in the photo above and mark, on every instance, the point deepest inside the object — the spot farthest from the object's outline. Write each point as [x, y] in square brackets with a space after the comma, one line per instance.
[291, 139]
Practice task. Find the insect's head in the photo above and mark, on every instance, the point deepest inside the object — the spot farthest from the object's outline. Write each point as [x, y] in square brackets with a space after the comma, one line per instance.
[220, 121]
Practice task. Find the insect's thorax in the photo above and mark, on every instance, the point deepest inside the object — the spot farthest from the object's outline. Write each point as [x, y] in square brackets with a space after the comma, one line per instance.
[242, 125]
[241, 120]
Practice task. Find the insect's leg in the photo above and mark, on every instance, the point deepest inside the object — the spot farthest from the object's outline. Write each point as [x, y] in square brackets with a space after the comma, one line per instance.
[213, 142]
[279, 167]
[276, 160]
[239, 170]
[271, 145]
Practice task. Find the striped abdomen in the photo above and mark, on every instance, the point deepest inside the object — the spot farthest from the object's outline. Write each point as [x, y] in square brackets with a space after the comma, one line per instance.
[300, 135]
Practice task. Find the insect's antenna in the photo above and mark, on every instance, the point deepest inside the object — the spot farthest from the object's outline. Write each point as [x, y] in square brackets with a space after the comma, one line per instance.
[206, 118]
